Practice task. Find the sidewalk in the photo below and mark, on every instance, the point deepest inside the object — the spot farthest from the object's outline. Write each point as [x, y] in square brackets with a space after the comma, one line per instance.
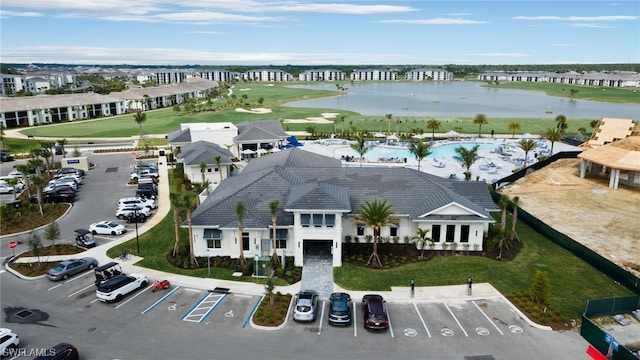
[399, 294]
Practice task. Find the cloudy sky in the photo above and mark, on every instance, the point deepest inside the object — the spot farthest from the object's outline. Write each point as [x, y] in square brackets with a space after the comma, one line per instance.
[256, 32]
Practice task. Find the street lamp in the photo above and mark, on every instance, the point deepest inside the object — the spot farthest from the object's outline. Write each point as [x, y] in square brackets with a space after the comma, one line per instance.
[135, 211]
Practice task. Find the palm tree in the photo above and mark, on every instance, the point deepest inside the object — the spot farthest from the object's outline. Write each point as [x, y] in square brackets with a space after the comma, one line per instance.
[361, 147]
[39, 182]
[562, 123]
[62, 143]
[514, 218]
[553, 135]
[218, 160]
[420, 150]
[139, 117]
[342, 121]
[48, 154]
[389, 116]
[594, 124]
[240, 212]
[480, 119]
[501, 240]
[421, 239]
[527, 145]
[24, 169]
[190, 204]
[514, 127]
[502, 204]
[273, 209]
[467, 157]
[177, 202]
[433, 125]
[203, 169]
[375, 214]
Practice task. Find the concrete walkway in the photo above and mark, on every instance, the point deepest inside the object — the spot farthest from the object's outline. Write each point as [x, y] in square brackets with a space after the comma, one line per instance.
[395, 295]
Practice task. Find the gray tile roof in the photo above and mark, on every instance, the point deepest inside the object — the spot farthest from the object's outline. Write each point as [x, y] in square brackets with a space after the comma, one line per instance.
[196, 152]
[260, 130]
[292, 157]
[412, 193]
[179, 136]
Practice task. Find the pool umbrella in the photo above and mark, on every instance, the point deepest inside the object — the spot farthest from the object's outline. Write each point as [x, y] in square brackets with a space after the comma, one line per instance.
[452, 134]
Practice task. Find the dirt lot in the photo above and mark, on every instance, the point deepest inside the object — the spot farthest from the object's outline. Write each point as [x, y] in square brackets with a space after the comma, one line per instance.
[605, 220]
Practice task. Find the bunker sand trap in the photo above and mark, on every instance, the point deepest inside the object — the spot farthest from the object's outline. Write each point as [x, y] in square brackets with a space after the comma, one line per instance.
[587, 210]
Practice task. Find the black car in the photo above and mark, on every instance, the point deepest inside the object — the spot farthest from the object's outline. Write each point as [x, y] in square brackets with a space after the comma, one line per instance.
[340, 309]
[65, 194]
[374, 309]
[5, 157]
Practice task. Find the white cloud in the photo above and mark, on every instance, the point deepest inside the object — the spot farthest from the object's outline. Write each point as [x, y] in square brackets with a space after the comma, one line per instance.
[435, 21]
[204, 32]
[593, 26]
[576, 18]
[6, 14]
[166, 56]
[197, 17]
[508, 55]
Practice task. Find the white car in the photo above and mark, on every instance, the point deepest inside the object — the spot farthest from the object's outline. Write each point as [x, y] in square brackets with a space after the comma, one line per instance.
[142, 202]
[8, 340]
[6, 189]
[107, 227]
[15, 174]
[130, 211]
[119, 286]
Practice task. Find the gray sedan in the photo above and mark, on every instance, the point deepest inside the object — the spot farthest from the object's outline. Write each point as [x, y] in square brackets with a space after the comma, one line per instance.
[70, 267]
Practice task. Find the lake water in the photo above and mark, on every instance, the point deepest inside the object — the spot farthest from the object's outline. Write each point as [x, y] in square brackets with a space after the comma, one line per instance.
[460, 98]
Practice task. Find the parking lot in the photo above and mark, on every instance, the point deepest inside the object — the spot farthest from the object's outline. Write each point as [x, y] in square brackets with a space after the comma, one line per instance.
[96, 200]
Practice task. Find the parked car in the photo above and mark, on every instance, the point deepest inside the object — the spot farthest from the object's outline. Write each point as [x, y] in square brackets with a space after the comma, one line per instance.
[8, 340]
[306, 306]
[84, 238]
[107, 227]
[5, 157]
[6, 189]
[374, 310]
[119, 286]
[146, 193]
[15, 174]
[70, 267]
[69, 170]
[62, 194]
[149, 203]
[144, 173]
[340, 309]
[62, 351]
[58, 149]
[133, 212]
[17, 187]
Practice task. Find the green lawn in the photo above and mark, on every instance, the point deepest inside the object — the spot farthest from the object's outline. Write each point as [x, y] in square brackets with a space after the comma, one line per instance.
[573, 281]
[163, 121]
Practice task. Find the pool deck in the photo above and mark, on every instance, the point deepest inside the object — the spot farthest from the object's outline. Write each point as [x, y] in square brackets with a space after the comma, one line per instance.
[490, 167]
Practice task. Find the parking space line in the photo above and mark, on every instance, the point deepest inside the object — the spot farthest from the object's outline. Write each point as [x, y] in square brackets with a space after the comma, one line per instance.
[79, 276]
[133, 297]
[197, 311]
[81, 290]
[355, 327]
[487, 317]
[456, 319]
[390, 327]
[321, 317]
[54, 287]
[422, 320]
[255, 307]
[161, 300]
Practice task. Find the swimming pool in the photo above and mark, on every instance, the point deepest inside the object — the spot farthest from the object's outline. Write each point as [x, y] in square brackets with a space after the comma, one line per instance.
[441, 152]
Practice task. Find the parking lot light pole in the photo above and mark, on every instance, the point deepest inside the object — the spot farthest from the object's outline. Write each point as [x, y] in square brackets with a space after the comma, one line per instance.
[137, 237]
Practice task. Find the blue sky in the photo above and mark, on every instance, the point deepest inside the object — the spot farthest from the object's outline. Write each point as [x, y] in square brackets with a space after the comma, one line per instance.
[240, 32]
